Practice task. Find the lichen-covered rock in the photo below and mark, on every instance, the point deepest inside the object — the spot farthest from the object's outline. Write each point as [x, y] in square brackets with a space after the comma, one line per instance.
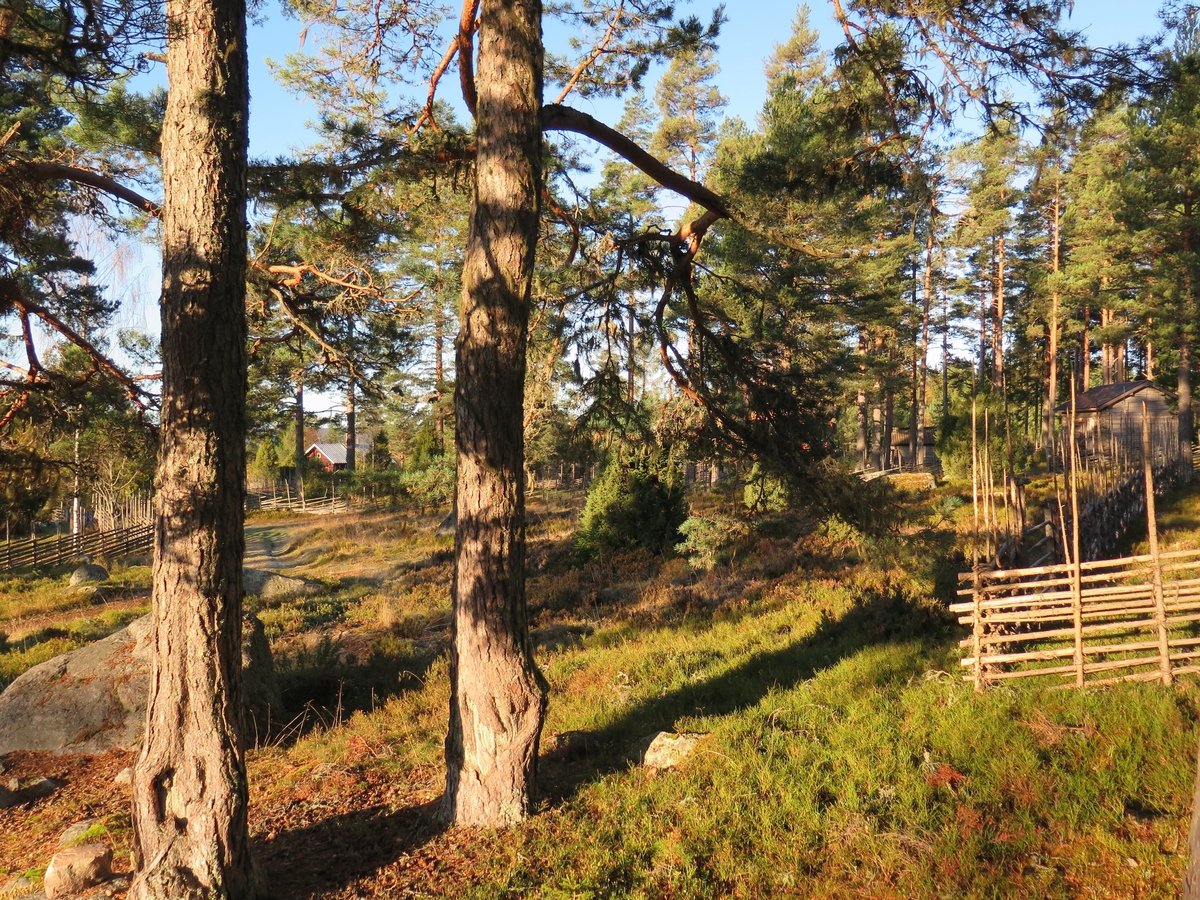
[74, 834]
[94, 699]
[87, 573]
[76, 869]
[667, 750]
[20, 888]
[86, 701]
[271, 585]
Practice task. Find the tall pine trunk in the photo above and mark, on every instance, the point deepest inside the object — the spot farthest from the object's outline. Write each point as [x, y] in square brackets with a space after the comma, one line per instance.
[497, 695]
[298, 436]
[439, 324]
[1085, 349]
[190, 797]
[998, 321]
[923, 377]
[862, 443]
[1052, 351]
[351, 428]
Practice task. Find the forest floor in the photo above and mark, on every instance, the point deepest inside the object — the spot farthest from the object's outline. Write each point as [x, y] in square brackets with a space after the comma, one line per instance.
[842, 753]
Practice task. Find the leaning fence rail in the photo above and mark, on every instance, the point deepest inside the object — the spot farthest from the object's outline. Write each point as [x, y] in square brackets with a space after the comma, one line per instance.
[64, 548]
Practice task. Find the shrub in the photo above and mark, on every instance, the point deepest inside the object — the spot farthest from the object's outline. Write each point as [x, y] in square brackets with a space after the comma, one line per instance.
[706, 539]
[431, 486]
[631, 506]
[765, 492]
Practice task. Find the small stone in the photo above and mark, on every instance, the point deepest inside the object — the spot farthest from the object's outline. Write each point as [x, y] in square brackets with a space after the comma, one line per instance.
[78, 868]
[14, 784]
[124, 778]
[90, 593]
[21, 886]
[39, 787]
[73, 834]
[668, 750]
[88, 572]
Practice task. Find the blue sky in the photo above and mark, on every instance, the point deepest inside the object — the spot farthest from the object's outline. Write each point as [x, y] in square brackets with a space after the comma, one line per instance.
[752, 30]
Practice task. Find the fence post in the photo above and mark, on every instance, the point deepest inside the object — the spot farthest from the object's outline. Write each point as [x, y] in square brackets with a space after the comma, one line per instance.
[1160, 606]
[1076, 571]
[977, 629]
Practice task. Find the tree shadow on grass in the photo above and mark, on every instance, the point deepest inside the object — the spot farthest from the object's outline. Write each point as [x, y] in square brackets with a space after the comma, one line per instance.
[317, 859]
[582, 757]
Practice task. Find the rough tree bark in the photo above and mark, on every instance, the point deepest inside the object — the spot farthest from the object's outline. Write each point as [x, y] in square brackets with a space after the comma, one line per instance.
[497, 695]
[190, 797]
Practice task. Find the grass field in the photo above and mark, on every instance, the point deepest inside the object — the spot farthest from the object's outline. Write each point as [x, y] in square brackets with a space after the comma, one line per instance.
[843, 755]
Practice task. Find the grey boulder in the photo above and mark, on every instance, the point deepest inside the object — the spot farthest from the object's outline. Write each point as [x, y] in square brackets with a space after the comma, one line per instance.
[270, 585]
[667, 750]
[87, 573]
[93, 699]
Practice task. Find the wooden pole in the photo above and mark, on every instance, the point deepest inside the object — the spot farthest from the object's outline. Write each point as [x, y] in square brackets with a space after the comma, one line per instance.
[977, 631]
[1160, 606]
[1055, 440]
[1076, 573]
[986, 485]
[975, 483]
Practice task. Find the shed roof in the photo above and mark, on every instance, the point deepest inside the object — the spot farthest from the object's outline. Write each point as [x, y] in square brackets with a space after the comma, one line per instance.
[335, 453]
[1107, 395]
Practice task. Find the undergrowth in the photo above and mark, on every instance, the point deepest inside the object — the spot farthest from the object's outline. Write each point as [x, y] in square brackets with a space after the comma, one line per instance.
[842, 754]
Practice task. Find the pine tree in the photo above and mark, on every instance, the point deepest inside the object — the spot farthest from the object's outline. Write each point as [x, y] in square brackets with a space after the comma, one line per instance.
[191, 838]
[984, 235]
[690, 109]
[1161, 204]
[1099, 272]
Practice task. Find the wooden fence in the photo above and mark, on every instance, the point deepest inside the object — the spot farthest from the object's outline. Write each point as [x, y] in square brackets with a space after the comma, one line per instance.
[64, 548]
[315, 505]
[1128, 619]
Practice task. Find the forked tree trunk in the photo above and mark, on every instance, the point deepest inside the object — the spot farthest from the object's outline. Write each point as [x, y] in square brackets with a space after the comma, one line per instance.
[497, 695]
[190, 798]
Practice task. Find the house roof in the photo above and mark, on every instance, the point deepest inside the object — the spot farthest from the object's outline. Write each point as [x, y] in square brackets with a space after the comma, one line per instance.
[1101, 398]
[335, 453]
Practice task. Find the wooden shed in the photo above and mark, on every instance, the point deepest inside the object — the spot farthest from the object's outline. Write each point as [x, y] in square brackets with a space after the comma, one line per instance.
[1110, 416]
[332, 457]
